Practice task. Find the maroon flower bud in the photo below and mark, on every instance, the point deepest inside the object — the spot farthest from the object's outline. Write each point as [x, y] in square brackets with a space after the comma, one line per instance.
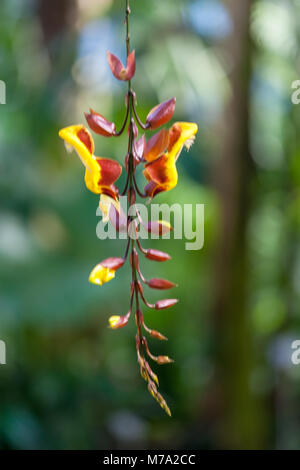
[161, 114]
[118, 69]
[113, 263]
[99, 124]
[160, 284]
[156, 255]
[158, 335]
[159, 227]
[166, 303]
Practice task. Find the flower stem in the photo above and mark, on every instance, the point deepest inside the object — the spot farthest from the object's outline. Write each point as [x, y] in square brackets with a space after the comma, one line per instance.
[131, 170]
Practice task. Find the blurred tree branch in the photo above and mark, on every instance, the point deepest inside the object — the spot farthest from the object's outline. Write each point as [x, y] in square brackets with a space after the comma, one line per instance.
[239, 421]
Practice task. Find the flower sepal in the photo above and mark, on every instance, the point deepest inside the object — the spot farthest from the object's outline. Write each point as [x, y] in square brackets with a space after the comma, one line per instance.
[157, 255]
[99, 124]
[160, 284]
[119, 71]
[166, 303]
[161, 114]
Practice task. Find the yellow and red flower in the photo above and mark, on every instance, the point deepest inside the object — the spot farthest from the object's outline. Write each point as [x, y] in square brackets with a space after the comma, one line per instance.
[116, 322]
[105, 271]
[100, 173]
[160, 169]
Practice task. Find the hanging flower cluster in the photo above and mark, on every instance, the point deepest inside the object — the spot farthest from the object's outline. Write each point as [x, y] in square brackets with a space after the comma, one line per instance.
[159, 156]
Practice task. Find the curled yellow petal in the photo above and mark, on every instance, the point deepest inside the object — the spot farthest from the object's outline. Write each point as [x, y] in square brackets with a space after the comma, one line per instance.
[79, 138]
[181, 134]
[100, 173]
[100, 275]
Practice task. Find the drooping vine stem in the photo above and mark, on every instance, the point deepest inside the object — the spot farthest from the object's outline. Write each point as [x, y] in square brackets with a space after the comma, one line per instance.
[141, 342]
[131, 190]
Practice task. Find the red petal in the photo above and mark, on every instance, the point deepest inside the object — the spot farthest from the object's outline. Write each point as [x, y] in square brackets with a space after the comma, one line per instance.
[99, 124]
[174, 134]
[158, 170]
[161, 114]
[110, 171]
[156, 145]
[86, 139]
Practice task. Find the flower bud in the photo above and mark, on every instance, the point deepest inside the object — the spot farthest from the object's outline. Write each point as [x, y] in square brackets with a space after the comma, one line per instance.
[158, 397]
[156, 255]
[160, 284]
[164, 360]
[99, 124]
[151, 373]
[166, 303]
[159, 227]
[116, 322]
[158, 335]
[161, 114]
[118, 69]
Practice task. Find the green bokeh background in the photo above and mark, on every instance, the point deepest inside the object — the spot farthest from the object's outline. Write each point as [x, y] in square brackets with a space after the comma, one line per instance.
[69, 381]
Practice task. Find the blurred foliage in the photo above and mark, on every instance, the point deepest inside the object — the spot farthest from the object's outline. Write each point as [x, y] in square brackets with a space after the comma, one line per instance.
[70, 382]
